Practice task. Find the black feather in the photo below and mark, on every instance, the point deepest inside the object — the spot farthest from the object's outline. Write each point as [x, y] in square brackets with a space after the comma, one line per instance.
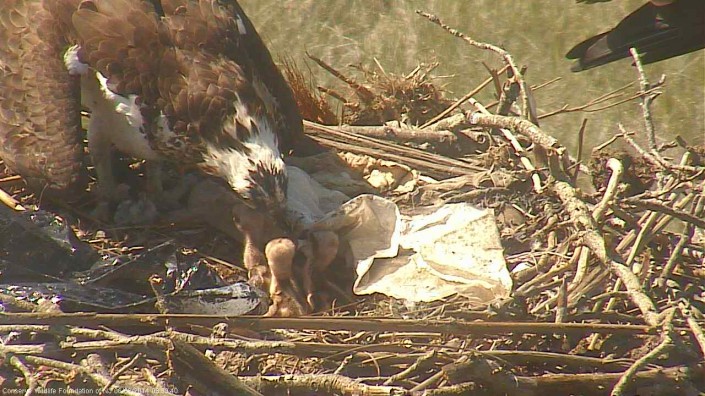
[657, 33]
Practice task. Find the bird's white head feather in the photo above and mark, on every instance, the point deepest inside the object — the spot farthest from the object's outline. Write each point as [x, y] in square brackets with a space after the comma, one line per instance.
[258, 172]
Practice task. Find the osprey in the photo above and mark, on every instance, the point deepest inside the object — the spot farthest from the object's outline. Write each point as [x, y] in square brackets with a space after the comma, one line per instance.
[185, 81]
[659, 30]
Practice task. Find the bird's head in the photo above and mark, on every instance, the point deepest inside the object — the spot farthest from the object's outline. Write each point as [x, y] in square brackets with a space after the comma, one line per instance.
[263, 186]
[255, 170]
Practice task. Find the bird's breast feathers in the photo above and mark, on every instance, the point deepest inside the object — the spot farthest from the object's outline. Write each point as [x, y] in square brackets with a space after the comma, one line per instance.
[114, 118]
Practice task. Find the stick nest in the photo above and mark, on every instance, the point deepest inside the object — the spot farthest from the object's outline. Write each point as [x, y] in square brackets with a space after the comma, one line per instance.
[608, 279]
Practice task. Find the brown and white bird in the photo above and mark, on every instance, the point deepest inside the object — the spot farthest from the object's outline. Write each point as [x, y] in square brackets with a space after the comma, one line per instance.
[660, 29]
[182, 81]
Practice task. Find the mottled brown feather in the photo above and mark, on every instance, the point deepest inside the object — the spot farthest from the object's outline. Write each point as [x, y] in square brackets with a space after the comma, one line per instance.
[120, 38]
[293, 137]
[211, 25]
[40, 135]
[195, 88]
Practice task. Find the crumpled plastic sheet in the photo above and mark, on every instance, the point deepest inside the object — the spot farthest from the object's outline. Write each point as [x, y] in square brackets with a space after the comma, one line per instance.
[451, 249]
[236, 299]
[39, 242]
[40, 259]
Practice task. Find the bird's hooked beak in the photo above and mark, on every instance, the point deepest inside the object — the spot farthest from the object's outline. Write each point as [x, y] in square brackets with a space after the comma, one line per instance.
[280, 219]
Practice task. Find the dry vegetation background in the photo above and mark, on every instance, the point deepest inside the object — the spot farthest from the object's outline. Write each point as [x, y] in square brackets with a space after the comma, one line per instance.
[537, 33]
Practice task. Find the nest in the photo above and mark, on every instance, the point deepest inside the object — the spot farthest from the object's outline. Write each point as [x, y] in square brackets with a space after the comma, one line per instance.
[608, 279]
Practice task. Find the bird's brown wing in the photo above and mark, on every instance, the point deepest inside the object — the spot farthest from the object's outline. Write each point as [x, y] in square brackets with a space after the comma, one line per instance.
[221, 27]
[127, 42]
[205, 92]
[121, 39]
[203, 25]
[40, 135]
[163, 61]
[274, 82]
